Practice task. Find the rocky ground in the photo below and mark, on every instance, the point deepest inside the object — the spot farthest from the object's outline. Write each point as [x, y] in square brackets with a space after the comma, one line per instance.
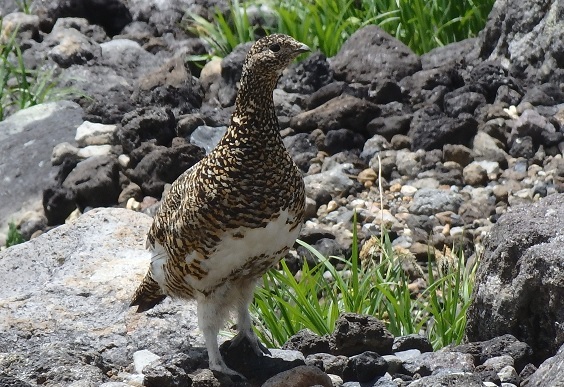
[458, 136]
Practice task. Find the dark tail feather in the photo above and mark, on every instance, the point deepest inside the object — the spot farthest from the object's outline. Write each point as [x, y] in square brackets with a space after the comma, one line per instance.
[147, 295]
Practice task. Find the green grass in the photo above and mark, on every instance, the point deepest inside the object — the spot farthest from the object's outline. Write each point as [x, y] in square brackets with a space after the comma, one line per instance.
[21, 87]
[377, 287]
[326, 25]
[14, 237]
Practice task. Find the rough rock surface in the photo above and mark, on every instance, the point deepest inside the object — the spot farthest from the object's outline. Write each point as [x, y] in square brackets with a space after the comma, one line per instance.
[520, 282]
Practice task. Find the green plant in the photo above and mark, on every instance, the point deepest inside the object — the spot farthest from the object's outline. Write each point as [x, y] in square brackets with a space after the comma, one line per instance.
[14, 237]
[21, 87]
[376, 286]
[24, 6]
[325, 25]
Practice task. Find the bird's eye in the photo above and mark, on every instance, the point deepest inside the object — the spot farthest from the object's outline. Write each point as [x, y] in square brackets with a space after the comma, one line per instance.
[274, 47]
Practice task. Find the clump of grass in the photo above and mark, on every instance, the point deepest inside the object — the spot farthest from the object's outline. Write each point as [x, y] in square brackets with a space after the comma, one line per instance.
[378, 287]
[14, 237]
[325, 25]
[21, 87]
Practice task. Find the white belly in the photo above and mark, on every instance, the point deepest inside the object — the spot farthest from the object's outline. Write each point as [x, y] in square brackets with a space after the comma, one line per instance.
[232, 253]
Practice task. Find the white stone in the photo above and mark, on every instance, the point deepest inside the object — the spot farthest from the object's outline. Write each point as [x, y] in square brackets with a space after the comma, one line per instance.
[456, 231]
[63, 151]
[92, 133]
[124, 160]
[94, 150]
[143, 358]
[408, 190]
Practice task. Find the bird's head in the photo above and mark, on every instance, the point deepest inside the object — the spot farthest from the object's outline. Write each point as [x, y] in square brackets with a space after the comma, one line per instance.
[273, 53]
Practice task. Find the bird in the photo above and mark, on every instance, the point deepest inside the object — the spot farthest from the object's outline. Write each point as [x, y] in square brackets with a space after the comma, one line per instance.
[230, 218]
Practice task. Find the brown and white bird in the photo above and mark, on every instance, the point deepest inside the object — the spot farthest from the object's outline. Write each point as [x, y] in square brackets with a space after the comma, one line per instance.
[233, 215]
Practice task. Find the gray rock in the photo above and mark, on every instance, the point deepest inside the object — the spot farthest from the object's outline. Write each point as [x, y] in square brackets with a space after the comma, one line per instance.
[474, 174]
[429, 201]
[69, 289]
[450, 380]
[370, 53]
[389, 126]
[355, 334]
[518, 281]
[485, 147]
[549, 371]
[463, 100]
[26, 141]
[302, 376]
[70, 47]
[207, 137]
[449, 55]
[510, 30]
[332, 182]
[27, 26]
[436, 362]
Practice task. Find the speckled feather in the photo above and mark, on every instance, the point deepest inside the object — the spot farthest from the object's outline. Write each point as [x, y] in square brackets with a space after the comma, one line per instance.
[246, 183]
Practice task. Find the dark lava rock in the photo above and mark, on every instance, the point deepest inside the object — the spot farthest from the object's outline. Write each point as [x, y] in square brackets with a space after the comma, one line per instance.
[307, 343]
[389, 126]
[145, 124]
[329, 363]
[448, 380]
[163, 165]
[344, 111]
[302, 149]
[520, 352]
[95, 181]
[339, 140]
[431, 129]
[243, 359]
[463, 100]
[58, 203]
[412, 341]
[112, 15]
[548, 372]
[355, 334]
[307, 76]
[371, 53]
[365, 367]
[520, 282]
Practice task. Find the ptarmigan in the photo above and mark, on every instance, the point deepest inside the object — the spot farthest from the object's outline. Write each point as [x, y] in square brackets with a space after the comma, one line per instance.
[233, 215]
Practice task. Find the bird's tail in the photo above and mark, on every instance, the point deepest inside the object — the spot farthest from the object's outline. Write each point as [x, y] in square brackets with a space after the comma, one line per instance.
[148, 294]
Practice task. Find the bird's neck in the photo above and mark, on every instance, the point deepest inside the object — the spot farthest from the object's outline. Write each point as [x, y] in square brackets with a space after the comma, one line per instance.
[254, 113]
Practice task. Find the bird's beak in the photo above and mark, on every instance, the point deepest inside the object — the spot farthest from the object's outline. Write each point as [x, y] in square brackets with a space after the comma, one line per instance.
[303, 48]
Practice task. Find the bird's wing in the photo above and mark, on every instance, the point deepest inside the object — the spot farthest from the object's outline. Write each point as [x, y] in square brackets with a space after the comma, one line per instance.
[180, 223]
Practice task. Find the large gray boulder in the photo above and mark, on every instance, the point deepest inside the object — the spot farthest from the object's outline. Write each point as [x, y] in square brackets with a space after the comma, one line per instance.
[27, 139]
[526, 37]
[64, 313]
[519, 286]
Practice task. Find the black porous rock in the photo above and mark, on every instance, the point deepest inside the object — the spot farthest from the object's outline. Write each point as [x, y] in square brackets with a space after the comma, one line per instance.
[258, 369]
[112, 15]
[307, 343]
[520, 281]
[490, 76]
[301, 148]
[412, 341]
[339, 140]
[325, 94]
[432, 129]
[450, 380]
[95, 181]
[172, 86]
[370, 54]
[307, 76]
[163, 165]
[365, 367]
[463, 100]
[508, 34]
[329, 363]
[58, 203]
[145, 124]
[355, 334]
[430, 362]
[520, 352]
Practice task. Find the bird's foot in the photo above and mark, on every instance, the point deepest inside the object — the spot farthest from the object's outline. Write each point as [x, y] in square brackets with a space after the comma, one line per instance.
[222, 368]
[258, 348]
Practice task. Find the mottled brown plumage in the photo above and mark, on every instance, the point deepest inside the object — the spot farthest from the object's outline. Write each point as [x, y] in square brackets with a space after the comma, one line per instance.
[233, 215]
